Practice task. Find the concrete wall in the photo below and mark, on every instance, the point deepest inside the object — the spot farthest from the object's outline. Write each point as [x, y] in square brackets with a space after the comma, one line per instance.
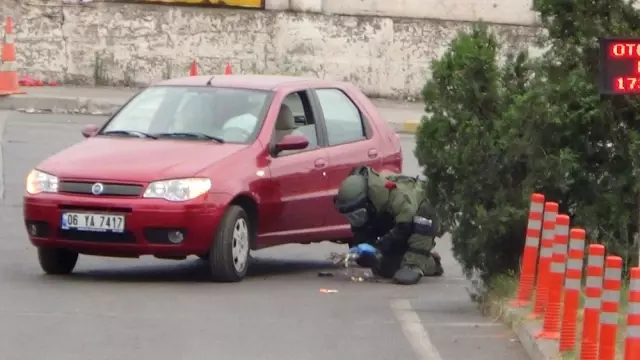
[126, 44]
[515, 12]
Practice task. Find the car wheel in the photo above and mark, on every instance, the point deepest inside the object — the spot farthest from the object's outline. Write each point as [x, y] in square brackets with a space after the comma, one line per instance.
[205, 257]
[57, 261]
[229, 254]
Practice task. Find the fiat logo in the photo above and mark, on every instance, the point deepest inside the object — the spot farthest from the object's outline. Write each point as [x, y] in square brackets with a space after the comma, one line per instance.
[97, 189]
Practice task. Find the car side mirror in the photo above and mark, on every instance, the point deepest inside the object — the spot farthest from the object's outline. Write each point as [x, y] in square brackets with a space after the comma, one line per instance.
[89, 130]
[292, 142]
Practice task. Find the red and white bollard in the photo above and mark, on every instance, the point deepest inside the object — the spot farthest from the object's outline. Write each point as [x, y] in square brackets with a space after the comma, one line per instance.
[592, 303]
[552, 319]
[632, 340]
[610, 308]
[572, 290]
[544, 263]
[530, 252]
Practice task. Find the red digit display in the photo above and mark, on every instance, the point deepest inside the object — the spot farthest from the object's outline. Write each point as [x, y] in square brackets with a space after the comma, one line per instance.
[620, 65]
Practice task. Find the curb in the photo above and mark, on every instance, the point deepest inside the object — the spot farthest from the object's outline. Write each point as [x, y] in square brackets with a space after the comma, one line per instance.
[405, 127]
[60, 105]
[105, 107]
[526, 330]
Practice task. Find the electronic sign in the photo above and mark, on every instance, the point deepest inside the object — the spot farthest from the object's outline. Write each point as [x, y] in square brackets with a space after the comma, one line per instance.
[619, 65]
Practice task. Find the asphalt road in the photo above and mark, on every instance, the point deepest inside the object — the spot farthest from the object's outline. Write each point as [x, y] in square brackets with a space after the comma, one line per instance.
[154, 309]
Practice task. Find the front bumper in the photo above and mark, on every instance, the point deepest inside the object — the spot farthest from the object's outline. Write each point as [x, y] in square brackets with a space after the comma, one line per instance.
[147, 223]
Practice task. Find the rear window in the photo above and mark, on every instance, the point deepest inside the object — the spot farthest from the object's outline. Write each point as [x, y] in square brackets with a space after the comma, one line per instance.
[234, 115]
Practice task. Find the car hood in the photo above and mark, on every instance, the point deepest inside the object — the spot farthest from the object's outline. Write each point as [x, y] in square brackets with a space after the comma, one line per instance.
[137, 160]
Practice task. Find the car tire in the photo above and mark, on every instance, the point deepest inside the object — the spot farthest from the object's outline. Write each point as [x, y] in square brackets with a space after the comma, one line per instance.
[55, 261]
[229, 254]
[205, 257]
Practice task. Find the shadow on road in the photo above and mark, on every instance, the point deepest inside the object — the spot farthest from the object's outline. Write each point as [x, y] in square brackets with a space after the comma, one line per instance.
[197, 271]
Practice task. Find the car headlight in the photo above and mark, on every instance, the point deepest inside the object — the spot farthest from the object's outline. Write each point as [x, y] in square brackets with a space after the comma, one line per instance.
[177, 189]
[39, 182]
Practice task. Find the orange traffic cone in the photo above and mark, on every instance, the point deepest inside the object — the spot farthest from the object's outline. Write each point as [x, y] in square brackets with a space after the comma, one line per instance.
[227, 69]
[193, 71]
[8, 74]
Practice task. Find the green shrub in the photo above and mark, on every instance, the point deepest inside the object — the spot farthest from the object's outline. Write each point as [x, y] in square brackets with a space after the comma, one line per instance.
[495, 134]
[598, 132]
[474, 155]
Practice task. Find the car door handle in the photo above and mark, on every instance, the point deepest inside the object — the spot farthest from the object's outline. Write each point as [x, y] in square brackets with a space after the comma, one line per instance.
[373, 153]
[320, 163]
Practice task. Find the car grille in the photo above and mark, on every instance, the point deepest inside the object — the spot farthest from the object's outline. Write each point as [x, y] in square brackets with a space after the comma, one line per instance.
[98, 237]
[110, 189]
[106, 209]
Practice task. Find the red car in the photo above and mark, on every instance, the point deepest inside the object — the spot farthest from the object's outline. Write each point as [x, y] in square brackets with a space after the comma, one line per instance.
[213, 166]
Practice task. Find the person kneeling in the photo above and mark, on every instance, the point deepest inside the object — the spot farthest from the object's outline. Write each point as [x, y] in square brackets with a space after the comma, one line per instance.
[392, 222]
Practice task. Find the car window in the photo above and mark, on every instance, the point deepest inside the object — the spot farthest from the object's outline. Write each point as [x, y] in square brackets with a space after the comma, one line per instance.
[297, 105]
[294, 102]
[342, 117]
[142, 109]
[233, 115]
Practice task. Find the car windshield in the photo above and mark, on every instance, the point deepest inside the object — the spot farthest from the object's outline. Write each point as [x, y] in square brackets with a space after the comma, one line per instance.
[192, 113]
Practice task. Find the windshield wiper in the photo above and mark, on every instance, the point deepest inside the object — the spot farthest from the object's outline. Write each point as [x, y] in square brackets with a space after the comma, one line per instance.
[129, 133]
[192, 135]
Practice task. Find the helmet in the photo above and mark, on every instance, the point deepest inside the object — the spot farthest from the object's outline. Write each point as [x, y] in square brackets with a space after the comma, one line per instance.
[351, 194]
[352, 200]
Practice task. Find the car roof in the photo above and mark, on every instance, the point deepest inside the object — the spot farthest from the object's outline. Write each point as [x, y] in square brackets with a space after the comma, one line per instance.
[257, 82]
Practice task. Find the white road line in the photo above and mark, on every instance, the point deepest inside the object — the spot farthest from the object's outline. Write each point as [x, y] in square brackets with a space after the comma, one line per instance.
[465, 324]
[414, 331]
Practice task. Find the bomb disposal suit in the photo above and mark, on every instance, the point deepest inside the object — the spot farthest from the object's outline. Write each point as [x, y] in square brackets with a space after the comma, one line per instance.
[392, 222]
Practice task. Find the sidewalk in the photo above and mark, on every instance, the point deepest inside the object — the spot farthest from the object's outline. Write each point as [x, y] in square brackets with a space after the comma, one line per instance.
[403, 117]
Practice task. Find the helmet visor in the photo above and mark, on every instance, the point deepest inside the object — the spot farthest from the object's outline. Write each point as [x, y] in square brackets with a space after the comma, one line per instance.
[357, 217]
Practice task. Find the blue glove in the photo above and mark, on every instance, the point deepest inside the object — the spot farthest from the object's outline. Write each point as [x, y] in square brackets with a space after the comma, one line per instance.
[363, 249]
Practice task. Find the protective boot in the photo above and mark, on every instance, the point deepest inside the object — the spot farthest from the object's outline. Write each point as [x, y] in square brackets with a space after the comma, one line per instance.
[408, 275]
[371, 261]
[438, 260]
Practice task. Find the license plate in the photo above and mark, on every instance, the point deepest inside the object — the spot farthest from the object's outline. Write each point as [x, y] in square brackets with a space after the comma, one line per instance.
[92, 222]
